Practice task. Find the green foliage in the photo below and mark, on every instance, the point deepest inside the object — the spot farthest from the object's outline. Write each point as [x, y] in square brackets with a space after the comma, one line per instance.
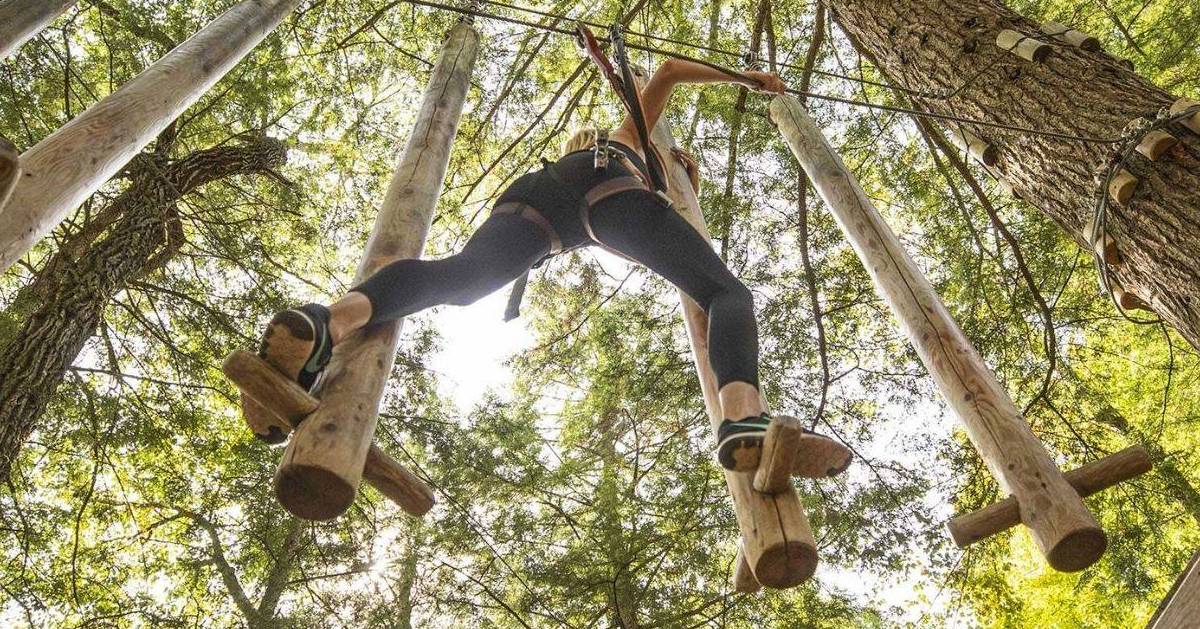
[584, 495]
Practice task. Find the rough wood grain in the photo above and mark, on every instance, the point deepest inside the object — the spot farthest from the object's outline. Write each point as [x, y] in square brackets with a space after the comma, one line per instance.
[323, 464]
[1060, 523]
[1089, 479]
[291, 403]
[1181, 607]
[777, 539]
[20, 20]
[10, 170]
[781, 448]
[70, 164]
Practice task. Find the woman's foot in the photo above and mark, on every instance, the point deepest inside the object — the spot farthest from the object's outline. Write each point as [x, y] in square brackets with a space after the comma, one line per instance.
[297, 342]
[739, 448]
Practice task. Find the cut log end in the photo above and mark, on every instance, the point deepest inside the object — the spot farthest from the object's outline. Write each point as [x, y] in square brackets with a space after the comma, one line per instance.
[1023, 46]
[1192, 122]
[313, 493]
[262, 382]
[1122, 186]
[786, 565]
[1156, 143]
[1078, 550]
[1130, 301]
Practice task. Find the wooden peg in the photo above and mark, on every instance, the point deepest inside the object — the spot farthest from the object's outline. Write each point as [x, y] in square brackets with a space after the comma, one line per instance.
[291, 403]
[1121, 188]
[979, 149]
[1106, 247]
[743, 577]
[1066, 34]
[1156, 143]
[781, 446]
[1070, 554]
[1023, 46]
[1129, 301]
[1192, 122]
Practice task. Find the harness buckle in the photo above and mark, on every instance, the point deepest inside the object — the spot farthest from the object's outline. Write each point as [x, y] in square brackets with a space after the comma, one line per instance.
[601, 150]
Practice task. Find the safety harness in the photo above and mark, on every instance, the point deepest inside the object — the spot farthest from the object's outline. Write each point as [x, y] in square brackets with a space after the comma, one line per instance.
[652, 178]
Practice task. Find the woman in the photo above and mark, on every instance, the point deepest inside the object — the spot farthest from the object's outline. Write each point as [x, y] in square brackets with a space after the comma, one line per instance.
[577, 201]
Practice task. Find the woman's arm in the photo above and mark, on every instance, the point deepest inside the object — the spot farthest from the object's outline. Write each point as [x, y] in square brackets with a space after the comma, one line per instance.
[657, 92]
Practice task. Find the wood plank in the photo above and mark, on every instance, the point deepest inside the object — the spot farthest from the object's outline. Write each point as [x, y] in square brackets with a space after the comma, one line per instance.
[20, 20]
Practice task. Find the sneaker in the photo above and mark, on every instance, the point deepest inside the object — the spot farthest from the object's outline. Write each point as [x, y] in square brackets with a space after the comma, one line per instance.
[298, 344]
[739, 448]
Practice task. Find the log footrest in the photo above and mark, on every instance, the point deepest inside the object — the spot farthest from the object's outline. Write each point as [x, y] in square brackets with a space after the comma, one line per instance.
[1074, 552]
[260, 382]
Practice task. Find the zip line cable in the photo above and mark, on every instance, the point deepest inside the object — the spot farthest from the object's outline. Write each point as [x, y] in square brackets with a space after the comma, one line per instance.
[474, 12]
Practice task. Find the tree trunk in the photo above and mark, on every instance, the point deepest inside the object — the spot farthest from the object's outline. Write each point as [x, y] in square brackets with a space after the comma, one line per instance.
[22, 19]
[65, 168]
[68, 297]
[946, 53]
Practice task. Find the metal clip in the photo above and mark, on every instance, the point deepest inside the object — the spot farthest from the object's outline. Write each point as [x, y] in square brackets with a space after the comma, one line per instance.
[601, 150]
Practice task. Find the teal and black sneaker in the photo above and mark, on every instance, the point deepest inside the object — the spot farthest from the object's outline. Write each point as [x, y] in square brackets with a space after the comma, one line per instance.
[298, 344]
[739, 448]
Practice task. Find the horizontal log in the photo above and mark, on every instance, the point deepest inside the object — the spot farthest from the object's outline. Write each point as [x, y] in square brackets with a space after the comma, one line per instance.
[1023, 46]
[1156, 143]
[1193, 121]
[10, 169]
[743, 577]
[291, 403]
[1088, 479]
[1121, 188]
[1068, 35]
[781, 447]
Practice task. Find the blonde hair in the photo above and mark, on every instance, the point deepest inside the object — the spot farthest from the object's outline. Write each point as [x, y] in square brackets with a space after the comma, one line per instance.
[586, 138]
[581, 139]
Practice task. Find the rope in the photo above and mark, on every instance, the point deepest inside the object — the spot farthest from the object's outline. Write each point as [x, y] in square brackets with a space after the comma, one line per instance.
[825, 97]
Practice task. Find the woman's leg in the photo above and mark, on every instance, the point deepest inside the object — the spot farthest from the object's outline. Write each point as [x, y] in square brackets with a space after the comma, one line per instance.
[636, 224]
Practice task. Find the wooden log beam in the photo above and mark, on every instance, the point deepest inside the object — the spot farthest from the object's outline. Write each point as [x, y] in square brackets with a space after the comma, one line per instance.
[291, 403]
[1068, 35]
[781, 448]
[777, 540]
[1061, 525]
[20, 20]
[743, 577]
[70, 164]
[1181, 607]
[1191, 122]
[10, 170]
[323, 463]
[1089, 479]
[1023, 46]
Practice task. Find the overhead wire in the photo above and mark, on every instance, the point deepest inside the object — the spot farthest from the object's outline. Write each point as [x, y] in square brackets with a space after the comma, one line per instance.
[475, 12]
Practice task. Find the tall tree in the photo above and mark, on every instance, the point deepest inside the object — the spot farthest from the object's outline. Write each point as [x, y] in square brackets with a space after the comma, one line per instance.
[137, 233]
[944, 56]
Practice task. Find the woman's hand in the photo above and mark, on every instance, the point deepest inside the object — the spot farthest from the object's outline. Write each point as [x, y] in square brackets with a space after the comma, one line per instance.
[765, 82]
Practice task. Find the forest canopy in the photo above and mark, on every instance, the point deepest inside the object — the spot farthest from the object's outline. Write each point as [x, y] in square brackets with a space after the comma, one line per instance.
[569, 450]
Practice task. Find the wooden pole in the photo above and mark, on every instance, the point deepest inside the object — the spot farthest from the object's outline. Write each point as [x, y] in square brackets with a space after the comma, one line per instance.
[20, 20]
[291, 403]
[1061, 525]
[1181, 608]
[323, 464]
[10, 170]
[73, 162]
[777, 540]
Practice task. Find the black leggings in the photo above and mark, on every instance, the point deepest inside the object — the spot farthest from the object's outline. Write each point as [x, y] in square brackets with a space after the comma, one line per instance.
[634, 223]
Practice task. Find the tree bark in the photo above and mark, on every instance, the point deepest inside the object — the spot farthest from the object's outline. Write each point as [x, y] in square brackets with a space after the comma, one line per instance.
[946, 52]
[65, 168]
[20, 20]
[137, 234]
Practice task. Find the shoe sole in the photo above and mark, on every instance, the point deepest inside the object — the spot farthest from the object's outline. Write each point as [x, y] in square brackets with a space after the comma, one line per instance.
[823, 457]
[288, 342]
